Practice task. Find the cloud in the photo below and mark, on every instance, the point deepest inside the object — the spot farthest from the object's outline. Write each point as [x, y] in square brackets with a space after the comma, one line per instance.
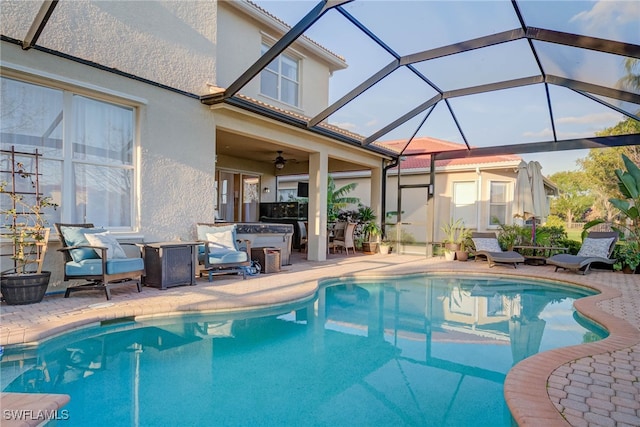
[609, 14]
[605, 119]
[352, 127]
[543, 134]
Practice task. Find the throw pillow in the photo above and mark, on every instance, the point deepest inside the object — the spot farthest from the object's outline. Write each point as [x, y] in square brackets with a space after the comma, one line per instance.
[75, 236]
[222, 240]
[595, 247]
[106, 240]
[488, 244]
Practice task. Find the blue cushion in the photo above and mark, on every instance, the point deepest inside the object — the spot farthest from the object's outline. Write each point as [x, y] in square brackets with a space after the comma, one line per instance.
[226, 257]
[74, 236]
[93, 267]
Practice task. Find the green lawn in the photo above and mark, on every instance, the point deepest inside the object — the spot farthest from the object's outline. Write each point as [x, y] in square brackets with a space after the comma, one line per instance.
[574, 234]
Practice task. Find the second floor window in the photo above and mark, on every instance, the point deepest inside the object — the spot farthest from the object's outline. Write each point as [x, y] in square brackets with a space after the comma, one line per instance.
[281, 79]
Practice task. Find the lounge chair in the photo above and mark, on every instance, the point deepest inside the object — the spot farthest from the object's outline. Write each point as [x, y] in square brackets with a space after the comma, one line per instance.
[92, 254]
[487, 246]
[596, 248]
[220, 250]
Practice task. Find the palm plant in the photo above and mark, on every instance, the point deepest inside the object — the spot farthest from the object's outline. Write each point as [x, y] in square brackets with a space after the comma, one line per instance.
[337, 198]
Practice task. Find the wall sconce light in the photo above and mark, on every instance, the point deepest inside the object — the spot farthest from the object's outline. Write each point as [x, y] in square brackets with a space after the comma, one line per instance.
[430, 190]
[266, 190]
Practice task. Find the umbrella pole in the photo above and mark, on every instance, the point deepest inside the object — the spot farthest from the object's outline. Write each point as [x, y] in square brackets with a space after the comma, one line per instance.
[533, 231]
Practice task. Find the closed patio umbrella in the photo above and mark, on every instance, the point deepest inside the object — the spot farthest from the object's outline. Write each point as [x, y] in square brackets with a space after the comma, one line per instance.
[523, 200]
[539, 196]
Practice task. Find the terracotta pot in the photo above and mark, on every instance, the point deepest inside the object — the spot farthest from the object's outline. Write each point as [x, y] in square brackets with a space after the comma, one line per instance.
[462, 255]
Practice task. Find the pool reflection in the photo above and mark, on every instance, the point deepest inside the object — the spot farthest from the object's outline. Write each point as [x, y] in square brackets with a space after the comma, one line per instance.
[416, 351]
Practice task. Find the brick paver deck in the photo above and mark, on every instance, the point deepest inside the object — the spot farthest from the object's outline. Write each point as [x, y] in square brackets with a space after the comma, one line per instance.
[595, 384]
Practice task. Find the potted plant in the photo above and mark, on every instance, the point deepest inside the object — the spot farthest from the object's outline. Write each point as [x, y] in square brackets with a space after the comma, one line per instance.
[628, 257]
[385, 246]
[369, 229]
[371, 232]
[24, 230]
[464, 241]
[451, 239]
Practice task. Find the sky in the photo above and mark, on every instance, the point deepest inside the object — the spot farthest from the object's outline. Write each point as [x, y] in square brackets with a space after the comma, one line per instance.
[512, 116]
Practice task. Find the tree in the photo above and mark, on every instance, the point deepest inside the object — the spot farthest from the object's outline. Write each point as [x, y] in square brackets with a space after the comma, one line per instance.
[575, 198]
[337, 198]
[632, 79]
[601, 161]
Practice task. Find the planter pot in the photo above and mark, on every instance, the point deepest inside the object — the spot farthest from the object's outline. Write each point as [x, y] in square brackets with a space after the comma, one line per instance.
[385, 249]
[449, 255]
[370, 247]
[627, 270]
[451, 247]
[24, 288]
[462, 255]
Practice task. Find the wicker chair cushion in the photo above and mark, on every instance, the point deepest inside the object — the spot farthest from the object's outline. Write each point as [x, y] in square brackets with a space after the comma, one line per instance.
[106, 240]
[93, 267]
[487, 244]
[75, 236]
[595, 247]
[222, 240]
[228, 256]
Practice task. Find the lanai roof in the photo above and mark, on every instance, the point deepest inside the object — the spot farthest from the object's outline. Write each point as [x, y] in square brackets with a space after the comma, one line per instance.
[501, 77]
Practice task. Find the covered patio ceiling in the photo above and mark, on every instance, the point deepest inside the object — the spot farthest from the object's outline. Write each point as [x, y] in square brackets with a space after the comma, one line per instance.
[499, 77]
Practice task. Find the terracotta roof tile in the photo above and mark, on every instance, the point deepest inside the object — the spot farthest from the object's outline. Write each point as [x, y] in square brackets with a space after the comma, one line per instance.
[428, 145]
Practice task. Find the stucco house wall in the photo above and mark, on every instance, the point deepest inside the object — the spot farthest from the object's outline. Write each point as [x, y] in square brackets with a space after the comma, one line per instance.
[240, 34]
[189, 47]
[175, 148]
[173, 43]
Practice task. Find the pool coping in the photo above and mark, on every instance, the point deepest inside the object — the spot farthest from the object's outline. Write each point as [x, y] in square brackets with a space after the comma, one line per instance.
[530, 405]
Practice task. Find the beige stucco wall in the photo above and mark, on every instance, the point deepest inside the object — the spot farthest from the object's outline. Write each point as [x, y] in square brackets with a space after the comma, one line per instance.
[239, 40]
[175, 143]
[426, 218]
[168, 42]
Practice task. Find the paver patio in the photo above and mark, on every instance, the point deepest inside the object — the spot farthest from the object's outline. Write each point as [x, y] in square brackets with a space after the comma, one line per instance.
[595, 384]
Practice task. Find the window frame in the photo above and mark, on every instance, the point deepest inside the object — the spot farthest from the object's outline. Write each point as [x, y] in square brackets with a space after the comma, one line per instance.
[65, 160]
[264, 46]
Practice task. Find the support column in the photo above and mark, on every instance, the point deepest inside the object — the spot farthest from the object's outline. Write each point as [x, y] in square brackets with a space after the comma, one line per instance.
[376, 193]
[317, 217]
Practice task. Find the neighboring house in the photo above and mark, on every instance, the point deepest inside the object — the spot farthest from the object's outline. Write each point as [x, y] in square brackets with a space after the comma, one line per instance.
[111, 96]
[478, 190]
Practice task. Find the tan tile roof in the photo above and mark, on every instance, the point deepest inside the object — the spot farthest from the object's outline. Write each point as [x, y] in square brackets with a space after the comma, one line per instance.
[266, 12]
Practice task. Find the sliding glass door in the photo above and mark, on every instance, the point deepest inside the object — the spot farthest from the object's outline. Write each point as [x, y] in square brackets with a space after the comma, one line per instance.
[238, 196]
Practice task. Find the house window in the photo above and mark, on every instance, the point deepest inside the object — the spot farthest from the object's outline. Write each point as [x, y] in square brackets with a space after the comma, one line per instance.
[280, 79]
[498, 203]
[87, 145]
[464, 202]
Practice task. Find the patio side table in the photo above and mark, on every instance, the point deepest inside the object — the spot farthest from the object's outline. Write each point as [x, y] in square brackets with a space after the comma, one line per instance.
[537, 255]
[169, 264]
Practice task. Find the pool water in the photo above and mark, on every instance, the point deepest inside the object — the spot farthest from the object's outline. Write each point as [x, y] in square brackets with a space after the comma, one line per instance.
[422, 350]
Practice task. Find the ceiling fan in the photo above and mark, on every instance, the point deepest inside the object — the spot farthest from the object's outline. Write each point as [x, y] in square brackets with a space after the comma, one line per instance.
[280, 161]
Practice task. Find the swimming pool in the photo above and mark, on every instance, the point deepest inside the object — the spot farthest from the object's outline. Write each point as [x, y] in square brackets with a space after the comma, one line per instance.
[421, 350]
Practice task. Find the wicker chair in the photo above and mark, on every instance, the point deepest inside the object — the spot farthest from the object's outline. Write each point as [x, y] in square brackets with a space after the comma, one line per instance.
[103, 265]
